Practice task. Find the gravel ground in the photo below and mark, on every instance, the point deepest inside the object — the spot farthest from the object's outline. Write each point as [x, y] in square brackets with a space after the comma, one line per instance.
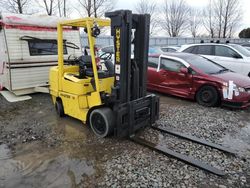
[31, 127]
[27, 121]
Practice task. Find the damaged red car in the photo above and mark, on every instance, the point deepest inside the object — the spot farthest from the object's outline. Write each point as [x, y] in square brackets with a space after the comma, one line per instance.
[195, 77]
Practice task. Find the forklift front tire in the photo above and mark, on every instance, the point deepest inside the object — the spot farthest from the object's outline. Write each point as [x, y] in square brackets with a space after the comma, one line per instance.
[59, 108]
[102, 122]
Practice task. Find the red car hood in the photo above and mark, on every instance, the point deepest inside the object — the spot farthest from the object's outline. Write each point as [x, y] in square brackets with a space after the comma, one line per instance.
[238, 79]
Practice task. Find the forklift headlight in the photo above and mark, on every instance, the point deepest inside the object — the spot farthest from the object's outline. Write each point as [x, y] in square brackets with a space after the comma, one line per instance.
[95, 31]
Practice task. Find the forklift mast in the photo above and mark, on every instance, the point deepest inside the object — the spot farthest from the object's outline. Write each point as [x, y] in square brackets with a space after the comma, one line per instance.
[134, 108]
[130, 74]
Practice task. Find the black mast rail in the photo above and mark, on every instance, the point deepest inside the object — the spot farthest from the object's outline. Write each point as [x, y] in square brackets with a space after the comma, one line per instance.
[194, 139]
[134, 108]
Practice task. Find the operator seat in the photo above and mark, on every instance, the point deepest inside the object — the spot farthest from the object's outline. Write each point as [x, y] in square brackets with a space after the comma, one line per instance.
[110, 66]
[86, 69]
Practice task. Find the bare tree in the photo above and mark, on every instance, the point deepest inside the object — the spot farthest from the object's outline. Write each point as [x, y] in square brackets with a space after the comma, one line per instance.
[221, 17]
[64, 9]
[194, 21]
[148, 7]
[15, 6]
[209, 19]
[175, 17]
[102, 6]
[218, 13]
[231, 16]
[48, 5]
[94, 8]
[84, 8]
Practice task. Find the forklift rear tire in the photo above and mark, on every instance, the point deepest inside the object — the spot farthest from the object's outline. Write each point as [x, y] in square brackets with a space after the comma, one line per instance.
[102, 121]
[59, 108]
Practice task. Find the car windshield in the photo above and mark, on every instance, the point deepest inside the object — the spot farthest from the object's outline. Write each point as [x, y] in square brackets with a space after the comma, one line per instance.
[108, 49]
[205, 65]
[154, 50]
[241, 49]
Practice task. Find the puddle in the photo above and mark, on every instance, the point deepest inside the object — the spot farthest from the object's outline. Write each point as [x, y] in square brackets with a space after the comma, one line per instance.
[36, 166]
[75, 162]
[240, 142]
[5, 152]
[72, 164]
[72, 129]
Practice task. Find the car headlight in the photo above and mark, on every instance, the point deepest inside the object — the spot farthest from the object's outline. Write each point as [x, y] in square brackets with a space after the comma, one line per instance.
[225, 84]
[238, 90]
[241, 89]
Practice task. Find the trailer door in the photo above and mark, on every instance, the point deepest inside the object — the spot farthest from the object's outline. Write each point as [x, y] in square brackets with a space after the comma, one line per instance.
[2, 51]
[2, 57]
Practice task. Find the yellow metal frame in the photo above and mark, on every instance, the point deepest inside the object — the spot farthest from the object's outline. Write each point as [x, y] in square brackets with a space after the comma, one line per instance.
[78, 95]
[86, 23]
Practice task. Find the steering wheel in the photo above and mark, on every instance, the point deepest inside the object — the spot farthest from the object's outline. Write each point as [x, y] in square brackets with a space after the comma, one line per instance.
[105, 56]
[72, 59]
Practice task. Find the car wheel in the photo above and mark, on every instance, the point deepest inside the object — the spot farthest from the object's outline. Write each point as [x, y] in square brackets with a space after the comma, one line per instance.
[249, 74]
[59, 108]
[102, 122]
[207, 96]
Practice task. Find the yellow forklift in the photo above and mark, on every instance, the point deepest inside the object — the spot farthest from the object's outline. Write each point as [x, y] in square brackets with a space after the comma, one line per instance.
[114, 100]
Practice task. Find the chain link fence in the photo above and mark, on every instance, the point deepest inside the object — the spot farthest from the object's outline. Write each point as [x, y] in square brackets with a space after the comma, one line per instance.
[165, 41]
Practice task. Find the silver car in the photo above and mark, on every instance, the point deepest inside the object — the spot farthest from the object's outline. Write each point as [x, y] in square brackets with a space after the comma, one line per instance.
[231, 56]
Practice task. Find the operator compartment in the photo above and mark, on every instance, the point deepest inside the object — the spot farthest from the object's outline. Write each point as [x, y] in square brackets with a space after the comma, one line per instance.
[79, 76]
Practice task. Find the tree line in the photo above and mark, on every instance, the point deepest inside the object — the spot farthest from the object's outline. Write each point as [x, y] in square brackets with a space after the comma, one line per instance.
[219, 19]
[62, 8]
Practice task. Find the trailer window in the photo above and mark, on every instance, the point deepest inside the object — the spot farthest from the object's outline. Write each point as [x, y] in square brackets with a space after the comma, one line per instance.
[44, 47]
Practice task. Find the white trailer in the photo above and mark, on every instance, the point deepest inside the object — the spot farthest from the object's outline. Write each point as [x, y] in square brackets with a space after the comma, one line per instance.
[28, 49]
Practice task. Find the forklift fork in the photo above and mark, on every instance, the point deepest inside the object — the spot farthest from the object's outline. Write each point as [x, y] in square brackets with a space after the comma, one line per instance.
[187, 159]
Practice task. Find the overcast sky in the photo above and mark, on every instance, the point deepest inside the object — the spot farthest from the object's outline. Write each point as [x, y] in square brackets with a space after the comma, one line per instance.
[129, 4]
